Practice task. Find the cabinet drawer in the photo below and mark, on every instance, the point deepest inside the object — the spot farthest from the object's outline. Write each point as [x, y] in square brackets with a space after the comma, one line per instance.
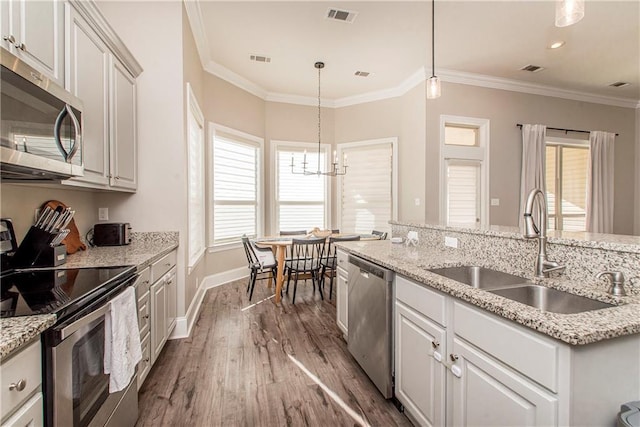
[419, 297]
[143, 282]
[25, 366]
[145, 364]
[343, 259]
[29, 415]
[522, 350]
[144, 313]
[164, 264]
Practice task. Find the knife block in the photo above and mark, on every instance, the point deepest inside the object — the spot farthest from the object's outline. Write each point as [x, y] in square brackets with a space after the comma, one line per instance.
[35, 250]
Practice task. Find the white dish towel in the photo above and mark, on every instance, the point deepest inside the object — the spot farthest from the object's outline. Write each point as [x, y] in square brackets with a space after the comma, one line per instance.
[122, 350]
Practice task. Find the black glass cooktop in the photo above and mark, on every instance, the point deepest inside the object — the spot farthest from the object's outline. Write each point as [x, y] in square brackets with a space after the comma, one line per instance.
[43, 291]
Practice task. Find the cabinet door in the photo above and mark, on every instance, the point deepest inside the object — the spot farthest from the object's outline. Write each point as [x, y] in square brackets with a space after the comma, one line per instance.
[158, 318]
[88, 79]
[37, 28]
[342, 293]
[420, 376]
[29, 415]
[172, 295]
[487, 394]
[123, 128]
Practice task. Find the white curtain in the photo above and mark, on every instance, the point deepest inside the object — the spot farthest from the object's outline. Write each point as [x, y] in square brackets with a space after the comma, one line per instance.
[533, 157]
[600, 183]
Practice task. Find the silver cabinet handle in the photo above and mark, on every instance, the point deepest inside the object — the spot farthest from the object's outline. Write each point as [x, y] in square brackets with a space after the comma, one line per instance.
[453, 357]
[168, 264]
[146, 316]
[21, 46]
[19, 386]
[435, 344]
[146, 360]
[117, 177]
[9, 39]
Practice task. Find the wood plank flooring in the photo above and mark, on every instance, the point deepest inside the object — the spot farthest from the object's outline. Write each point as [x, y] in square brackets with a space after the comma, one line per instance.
[238, 367]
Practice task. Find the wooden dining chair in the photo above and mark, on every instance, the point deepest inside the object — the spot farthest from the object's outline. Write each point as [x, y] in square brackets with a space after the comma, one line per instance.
[328, 262]
[305, 259]
[382, 234]
[261, 263]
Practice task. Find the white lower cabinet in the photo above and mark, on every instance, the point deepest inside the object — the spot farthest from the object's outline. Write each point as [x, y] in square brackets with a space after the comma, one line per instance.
[459, 365]
[158, 318]
[342, 291]
[21, 388]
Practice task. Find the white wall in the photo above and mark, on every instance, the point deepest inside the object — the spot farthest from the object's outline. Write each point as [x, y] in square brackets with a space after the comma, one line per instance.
[160, 204]
[637, 181]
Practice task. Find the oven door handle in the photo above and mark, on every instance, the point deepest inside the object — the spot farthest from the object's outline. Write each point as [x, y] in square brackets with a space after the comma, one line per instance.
[73, 327]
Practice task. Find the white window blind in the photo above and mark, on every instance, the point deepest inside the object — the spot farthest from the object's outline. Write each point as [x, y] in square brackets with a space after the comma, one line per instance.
[301, 200]
[366, 191]
[196, 196]
[235, 189]
[463, 192]
[566, 181]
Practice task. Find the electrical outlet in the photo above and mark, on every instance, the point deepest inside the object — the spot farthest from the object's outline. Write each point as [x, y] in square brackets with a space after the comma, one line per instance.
[417, 201]
[451, 242]
[103, 214]
[495, 202]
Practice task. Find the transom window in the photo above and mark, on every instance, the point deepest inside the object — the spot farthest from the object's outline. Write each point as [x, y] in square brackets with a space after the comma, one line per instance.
[566, 168]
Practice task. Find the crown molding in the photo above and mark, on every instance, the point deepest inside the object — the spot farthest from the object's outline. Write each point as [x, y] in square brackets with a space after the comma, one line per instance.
[482, 80]
[198, 28]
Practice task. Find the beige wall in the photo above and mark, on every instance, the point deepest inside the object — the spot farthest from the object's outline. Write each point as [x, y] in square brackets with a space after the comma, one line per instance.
[19, 202]
[505, 109]
[637, 180]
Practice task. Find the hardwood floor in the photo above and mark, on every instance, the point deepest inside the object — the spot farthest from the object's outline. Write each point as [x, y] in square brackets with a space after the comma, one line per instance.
[255, 365]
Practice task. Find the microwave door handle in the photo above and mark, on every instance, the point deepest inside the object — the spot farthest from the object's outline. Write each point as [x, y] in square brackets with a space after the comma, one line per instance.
[78, 139]
[56, 132]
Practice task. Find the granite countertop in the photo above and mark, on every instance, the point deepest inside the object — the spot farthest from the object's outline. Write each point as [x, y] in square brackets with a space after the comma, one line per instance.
[575, 329]
[144, 249]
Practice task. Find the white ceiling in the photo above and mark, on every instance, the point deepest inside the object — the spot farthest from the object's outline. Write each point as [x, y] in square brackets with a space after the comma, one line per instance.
[392, 40]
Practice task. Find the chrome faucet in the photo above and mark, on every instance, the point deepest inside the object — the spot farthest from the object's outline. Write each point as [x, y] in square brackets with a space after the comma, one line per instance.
[543, 265]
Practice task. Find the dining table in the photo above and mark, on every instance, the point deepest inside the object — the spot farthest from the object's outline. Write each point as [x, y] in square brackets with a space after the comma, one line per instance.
[279, 245]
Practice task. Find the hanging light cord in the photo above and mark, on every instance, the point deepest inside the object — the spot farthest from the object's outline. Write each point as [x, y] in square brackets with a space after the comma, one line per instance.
[433, 38]
[319, 67]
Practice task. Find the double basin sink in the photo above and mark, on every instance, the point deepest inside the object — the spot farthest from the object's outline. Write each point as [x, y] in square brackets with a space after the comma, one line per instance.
[520, 289]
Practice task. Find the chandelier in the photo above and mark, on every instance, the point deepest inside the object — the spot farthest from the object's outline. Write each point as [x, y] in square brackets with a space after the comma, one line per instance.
[336, 170]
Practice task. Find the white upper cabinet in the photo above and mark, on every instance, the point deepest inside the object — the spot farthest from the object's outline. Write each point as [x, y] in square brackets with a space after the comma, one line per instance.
[34, 32]
[123, 129]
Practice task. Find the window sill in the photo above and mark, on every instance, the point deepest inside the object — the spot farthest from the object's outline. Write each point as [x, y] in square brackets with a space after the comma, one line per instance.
[224, 247]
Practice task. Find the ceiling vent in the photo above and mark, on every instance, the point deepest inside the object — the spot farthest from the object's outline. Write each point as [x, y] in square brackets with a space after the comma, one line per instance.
[362, 73]
[341, 15]
[260, 58]
[619, 84]
[532, 68]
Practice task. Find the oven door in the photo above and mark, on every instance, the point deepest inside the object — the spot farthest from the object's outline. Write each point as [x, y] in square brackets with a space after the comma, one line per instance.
[80, 387]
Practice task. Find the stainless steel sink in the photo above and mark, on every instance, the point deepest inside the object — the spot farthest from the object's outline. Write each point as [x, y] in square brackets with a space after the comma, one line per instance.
[480, 277]
[552, 300]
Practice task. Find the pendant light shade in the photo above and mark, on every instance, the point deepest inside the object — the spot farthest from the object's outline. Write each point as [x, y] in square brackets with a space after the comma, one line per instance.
[568, 12]
[433, 84]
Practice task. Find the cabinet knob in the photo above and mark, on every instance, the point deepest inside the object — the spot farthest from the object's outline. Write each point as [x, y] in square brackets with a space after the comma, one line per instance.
[9, 39]
[146, 360]
[146, 316]
[19, 386]
[117, 177]
[168, 264]
[453, 357]
[21, 46]
[435, 344]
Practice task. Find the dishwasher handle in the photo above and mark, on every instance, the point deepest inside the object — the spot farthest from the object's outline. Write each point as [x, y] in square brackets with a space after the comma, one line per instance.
[371, 268]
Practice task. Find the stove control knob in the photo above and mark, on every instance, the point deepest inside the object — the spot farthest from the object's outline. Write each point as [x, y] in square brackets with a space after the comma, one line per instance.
[19, 386]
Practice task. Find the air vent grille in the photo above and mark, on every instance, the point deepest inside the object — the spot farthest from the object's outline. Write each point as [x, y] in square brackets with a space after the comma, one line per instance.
[260, 58]
[619, 84]
[362, 73]
[532, 68]
[341, 15]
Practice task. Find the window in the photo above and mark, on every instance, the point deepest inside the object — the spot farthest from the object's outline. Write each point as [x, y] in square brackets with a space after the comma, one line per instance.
[566, 166]
[196, 203]
[301, 201]
[464, 166]
[367, 198]
[236, 186]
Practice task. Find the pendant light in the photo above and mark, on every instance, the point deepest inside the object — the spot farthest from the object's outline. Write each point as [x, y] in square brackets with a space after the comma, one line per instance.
[335, 169]
[568, 12]
[433, 84]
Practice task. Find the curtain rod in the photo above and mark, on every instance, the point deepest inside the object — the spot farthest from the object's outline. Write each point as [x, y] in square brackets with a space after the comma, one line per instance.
[566, 130]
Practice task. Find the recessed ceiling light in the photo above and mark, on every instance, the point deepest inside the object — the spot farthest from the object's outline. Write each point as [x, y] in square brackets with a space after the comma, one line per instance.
[362, 73]
[556, 45]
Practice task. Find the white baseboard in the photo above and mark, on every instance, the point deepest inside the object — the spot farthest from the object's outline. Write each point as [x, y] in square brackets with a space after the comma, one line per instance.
[185, 324]
[224, 277]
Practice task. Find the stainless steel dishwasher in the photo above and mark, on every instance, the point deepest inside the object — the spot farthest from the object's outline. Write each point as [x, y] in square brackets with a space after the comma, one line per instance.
[370, 336]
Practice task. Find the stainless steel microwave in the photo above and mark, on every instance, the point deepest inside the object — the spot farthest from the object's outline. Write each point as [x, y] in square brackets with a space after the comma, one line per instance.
[41, 125]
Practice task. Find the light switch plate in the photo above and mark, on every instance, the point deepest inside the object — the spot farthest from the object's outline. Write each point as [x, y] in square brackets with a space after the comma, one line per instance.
[495, 202]
[451, 242]
[417, 201]
[103, 214]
